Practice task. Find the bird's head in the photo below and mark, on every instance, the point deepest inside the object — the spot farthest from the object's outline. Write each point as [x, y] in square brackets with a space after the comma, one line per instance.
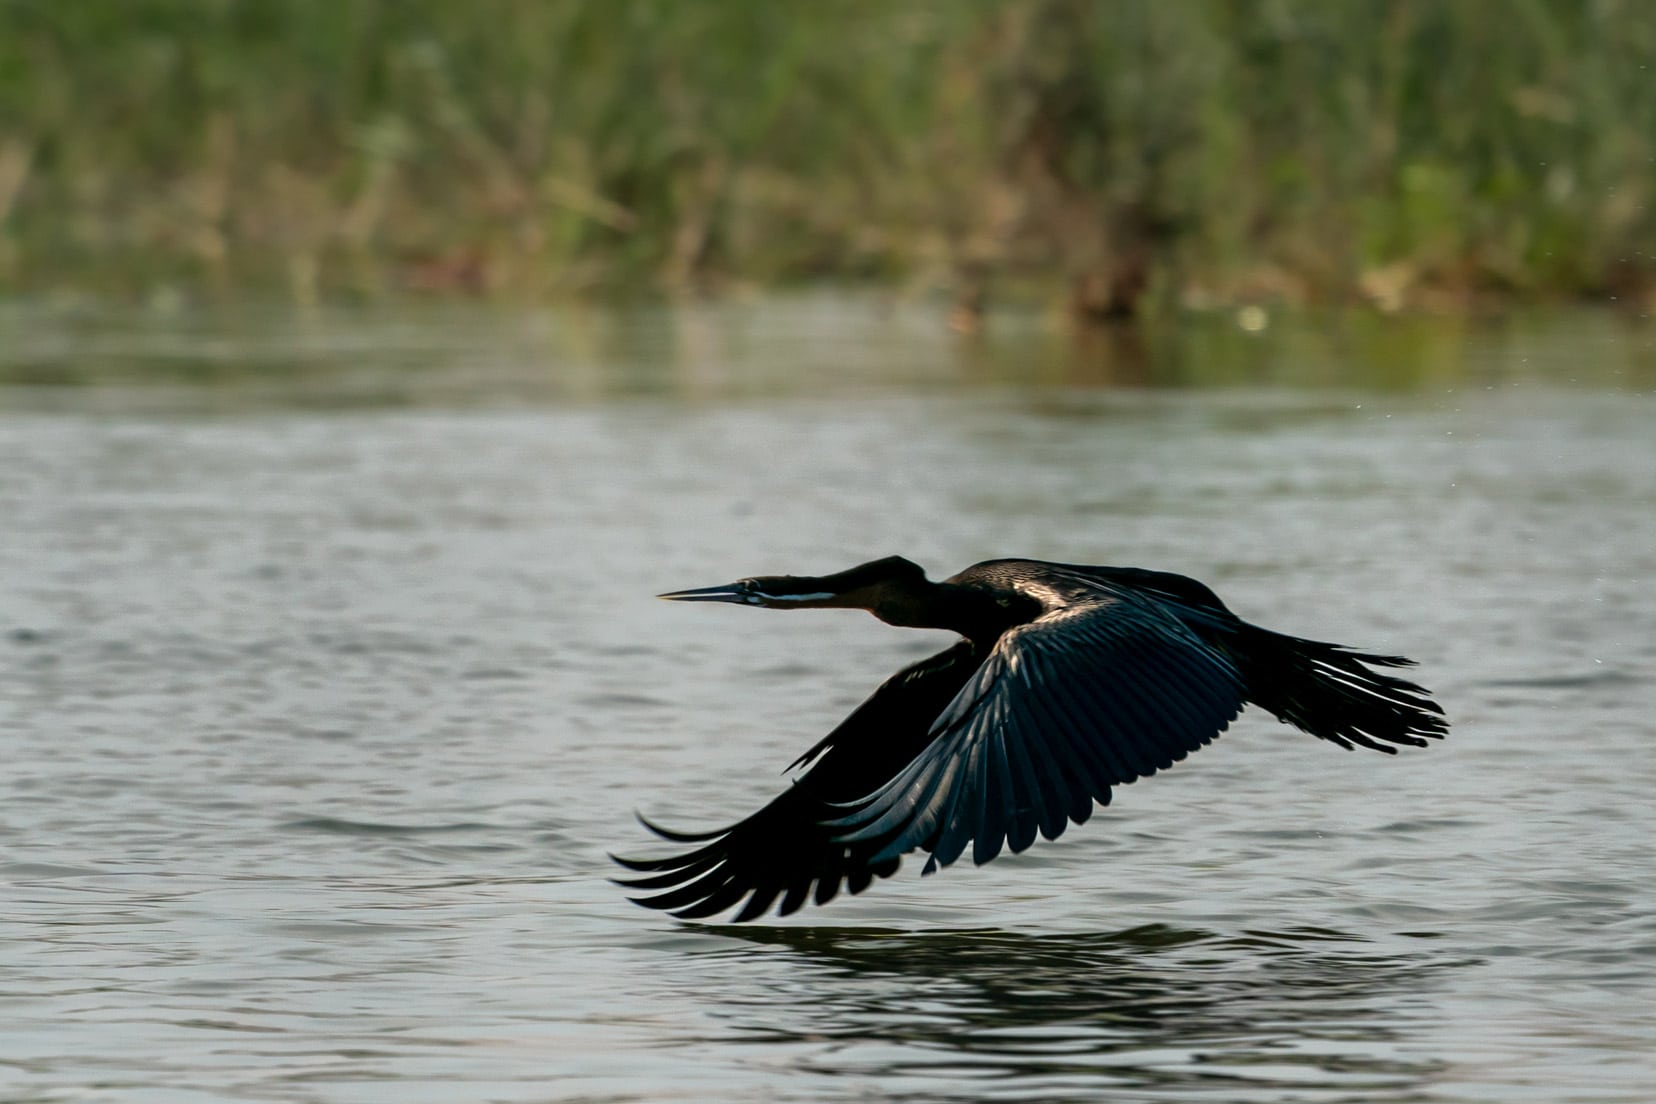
[861, 587]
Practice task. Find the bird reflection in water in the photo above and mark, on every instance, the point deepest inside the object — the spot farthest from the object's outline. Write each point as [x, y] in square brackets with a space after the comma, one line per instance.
[1155, 1006]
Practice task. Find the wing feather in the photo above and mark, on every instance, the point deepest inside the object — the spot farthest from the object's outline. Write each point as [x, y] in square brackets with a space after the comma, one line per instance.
[1089, 696]
[997, 803]
[789, 849]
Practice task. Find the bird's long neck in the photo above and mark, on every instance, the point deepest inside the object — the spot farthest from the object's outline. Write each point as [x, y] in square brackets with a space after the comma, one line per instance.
[975, 613]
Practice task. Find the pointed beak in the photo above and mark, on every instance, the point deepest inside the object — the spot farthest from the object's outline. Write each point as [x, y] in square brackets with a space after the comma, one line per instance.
[730, 592]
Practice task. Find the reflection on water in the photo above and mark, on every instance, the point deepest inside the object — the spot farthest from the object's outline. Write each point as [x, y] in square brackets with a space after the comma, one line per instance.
[1155, 1006]
[447, 354]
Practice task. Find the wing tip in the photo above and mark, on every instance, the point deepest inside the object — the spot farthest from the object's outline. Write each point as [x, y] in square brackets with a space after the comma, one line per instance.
[673, 836]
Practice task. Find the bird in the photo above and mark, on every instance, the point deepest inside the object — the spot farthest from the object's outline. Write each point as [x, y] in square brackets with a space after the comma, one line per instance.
[1066, 681]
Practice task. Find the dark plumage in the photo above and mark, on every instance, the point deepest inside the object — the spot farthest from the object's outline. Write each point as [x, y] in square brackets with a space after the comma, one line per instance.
[1068, 680]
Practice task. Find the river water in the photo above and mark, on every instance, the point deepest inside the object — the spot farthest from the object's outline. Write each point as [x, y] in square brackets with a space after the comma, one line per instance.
[330, 672]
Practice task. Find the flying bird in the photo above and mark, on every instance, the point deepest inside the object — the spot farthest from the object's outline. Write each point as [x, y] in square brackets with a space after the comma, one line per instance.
[1068, 680]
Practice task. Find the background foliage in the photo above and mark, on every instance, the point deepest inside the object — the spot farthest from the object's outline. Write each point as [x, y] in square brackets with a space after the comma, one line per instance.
[1114, 154]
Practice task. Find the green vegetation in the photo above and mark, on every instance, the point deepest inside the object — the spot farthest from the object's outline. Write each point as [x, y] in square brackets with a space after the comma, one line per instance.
[1115, 153]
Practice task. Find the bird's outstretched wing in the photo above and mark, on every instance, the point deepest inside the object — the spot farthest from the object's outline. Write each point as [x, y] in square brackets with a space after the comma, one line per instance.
[1090, 695]
[787, 849]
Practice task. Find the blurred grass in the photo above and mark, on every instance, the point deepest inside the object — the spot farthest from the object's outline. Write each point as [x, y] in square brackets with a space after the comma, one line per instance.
[1116, 155]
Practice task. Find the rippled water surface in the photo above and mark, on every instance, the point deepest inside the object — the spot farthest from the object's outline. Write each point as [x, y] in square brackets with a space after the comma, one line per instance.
[329, 673]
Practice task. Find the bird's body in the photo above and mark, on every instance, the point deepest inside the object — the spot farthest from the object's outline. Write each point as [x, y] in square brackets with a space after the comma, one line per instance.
[1067, 680]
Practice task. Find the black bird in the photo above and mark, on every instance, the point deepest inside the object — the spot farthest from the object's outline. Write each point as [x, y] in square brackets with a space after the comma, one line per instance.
[1068, 680]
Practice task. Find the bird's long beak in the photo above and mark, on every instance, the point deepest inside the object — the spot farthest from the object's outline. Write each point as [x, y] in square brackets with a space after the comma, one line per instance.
[730, 592]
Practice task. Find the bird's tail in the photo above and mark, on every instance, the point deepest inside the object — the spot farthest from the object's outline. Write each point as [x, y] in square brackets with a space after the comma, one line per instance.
[1334, 693]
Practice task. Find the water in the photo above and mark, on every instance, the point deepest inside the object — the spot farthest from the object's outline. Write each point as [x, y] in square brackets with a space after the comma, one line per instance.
[329, 672]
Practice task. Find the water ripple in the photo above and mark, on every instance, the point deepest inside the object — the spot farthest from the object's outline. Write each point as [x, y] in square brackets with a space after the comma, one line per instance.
[1140, 1008]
